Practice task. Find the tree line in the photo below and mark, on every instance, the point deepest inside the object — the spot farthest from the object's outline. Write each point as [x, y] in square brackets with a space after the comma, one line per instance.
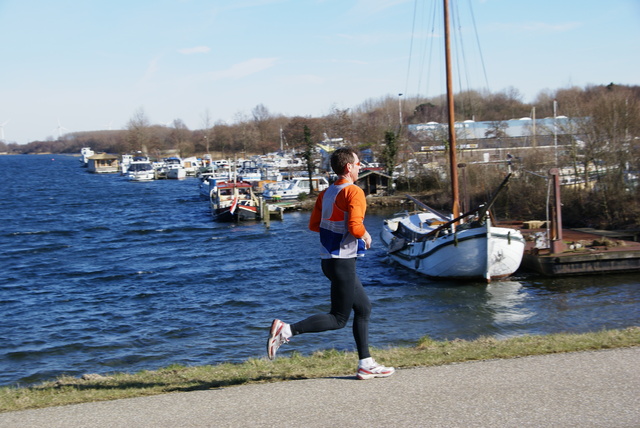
[363, 126]
[607, 142]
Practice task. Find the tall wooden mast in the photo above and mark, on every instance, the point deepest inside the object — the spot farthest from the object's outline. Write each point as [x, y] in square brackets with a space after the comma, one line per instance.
[453, 159]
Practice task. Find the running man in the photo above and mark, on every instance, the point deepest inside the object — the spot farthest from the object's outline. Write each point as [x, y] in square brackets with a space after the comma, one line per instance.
[338, 216]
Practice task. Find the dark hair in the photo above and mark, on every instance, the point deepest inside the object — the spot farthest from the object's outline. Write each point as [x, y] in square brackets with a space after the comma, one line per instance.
[340, 158]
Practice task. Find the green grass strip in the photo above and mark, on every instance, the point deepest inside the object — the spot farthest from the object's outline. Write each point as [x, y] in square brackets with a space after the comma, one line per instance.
[92, 387]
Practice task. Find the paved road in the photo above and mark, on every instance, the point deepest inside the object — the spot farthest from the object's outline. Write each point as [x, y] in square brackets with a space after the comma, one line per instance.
[586, 389]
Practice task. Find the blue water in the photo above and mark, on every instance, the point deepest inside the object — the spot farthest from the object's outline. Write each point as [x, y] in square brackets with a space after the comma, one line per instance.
[102, 275]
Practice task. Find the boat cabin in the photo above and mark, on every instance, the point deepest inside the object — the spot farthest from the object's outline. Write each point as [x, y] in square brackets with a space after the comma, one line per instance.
[103, 163]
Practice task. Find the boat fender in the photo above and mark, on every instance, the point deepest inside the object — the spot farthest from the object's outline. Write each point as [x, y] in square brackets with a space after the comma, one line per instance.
[509, 238]
[455, 238]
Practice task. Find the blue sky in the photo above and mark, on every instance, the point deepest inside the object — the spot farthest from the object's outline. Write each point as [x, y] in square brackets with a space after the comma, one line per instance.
[89, 65]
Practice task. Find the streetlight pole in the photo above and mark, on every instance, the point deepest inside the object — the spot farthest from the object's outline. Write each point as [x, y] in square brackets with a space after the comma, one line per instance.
[400, 109]
[555, 129]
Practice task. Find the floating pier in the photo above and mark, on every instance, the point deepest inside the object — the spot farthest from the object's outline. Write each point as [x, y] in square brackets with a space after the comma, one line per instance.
[583, 253]
[275, 210]
[554, 251]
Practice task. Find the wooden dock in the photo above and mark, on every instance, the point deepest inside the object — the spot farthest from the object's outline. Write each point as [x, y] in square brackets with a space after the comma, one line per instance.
[563, 252]
[584, 252]
[275, 210]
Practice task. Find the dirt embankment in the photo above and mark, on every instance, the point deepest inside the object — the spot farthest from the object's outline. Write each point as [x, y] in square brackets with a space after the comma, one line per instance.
[373, 202]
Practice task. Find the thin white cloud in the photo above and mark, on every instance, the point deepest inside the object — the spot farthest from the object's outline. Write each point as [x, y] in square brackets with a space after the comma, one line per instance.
[541, 27]
[152, 68]
[557, 28]
[371, 38]
[244, 4]
[244, 69]
[347, 61]
[375, 6]
[194, 50]
[305, 79]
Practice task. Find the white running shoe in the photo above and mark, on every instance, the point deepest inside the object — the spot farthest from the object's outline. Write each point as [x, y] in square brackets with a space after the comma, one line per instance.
[374, 370]
[276, 339]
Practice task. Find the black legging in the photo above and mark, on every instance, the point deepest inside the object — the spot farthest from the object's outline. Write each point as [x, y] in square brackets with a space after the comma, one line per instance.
[347, 293]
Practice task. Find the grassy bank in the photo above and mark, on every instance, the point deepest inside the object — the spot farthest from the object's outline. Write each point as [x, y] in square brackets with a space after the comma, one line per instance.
[71, 390]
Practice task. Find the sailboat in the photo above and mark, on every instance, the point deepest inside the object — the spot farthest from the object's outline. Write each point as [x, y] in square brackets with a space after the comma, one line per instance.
[461, 246]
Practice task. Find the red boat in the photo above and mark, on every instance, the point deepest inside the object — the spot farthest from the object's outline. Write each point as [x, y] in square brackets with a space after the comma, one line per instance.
[234, 201]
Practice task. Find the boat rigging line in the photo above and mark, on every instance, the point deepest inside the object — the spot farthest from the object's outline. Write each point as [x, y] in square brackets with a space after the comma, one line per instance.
[427, 51]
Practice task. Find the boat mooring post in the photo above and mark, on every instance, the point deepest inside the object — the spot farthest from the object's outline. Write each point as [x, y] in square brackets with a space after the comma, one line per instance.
[557, 246]
[264, 213]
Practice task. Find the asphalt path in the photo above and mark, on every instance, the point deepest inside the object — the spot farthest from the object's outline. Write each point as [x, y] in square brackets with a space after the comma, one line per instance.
[584, 389]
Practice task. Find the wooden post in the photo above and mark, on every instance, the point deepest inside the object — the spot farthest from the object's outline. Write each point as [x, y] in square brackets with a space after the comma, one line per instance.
[557, 245]
[264, 212]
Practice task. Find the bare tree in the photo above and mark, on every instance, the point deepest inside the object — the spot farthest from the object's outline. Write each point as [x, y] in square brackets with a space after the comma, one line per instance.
[498, 129]
[180, 138]
[207, 130]
[245, 135]
[267, 127]
[294, 131]
[339, 125]
[138, 135]
[223, 136]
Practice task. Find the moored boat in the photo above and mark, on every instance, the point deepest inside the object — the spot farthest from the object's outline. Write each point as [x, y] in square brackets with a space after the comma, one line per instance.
[233, 201]
[174, 168]
[85, 154]
[208, 177]
[103, 163]
[140, 170]
[435, 246]
[463, 246]
[292, 189]
[191, 165]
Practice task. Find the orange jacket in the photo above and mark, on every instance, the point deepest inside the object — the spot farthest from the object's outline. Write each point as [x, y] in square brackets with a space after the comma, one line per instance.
[352, 200]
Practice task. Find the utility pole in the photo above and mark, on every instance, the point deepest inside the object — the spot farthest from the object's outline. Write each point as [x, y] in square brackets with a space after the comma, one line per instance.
[533, 114]
[555, 129]
[400, 109]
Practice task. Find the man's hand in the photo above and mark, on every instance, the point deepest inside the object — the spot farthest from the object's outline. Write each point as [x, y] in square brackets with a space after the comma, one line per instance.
[367, 240]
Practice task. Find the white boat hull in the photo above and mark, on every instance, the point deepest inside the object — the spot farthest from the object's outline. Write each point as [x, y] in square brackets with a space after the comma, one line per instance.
[141, 176]
[176, 173]
[478, 253]
[140, 171]
[292, 189]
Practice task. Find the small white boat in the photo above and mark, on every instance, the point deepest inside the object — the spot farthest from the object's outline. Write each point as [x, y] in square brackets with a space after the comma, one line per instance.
[141, 170]
[248, 170]
[125, 161]
[208, 180]
[292, 189]
[85, 154]
[174, 168]
[191, 165]
[437, 247]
